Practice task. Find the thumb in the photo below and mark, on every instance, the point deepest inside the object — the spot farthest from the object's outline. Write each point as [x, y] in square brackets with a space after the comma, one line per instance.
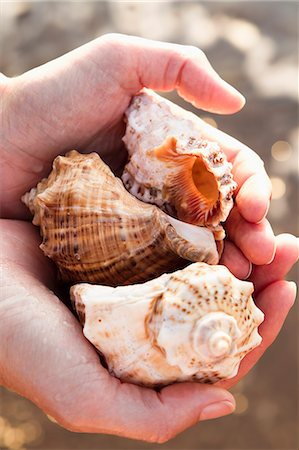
[188, 403]
[163, 66]
[144, 414]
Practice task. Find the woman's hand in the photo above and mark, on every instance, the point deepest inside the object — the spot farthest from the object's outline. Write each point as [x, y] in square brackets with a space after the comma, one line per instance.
[78, 101]
[45, 357]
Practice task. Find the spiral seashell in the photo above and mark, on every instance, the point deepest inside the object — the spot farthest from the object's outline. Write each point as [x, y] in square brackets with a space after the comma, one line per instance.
[195, 324]
[97, 232]
[170, 165]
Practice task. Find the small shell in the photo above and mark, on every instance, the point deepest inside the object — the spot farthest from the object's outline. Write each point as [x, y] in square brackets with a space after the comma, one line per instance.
[196, 324]
[96, 231]
[170, 164]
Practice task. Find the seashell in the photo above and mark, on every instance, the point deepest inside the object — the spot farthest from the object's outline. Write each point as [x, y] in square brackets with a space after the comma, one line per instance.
[97, 232]
[170, 165]
[196, 324]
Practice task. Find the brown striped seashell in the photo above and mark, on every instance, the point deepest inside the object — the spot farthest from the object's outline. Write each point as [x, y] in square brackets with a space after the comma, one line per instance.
[170, 165]
[196, 324]
[97, 232]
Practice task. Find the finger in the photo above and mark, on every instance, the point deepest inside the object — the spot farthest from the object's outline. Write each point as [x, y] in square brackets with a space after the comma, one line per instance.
[286, 255]
[253, 198]
[164, 67]
[235, 261]
[275, 301]
[254, 192]
[256, 241]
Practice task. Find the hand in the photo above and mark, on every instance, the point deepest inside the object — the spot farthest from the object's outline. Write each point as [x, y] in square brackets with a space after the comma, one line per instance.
[45, 357]
[77, 101]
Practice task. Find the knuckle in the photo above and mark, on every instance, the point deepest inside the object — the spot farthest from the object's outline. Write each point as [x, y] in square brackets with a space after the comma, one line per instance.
[260, 163]
[117, 46]
[111, 37]
[115, 42]
[195, 52]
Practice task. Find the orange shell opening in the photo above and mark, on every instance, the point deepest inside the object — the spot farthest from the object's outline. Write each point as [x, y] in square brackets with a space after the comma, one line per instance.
[205, 181]
[192, 189]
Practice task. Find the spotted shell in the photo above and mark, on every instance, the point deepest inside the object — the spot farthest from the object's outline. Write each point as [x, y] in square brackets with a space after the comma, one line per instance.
[170, 165]
[195, 324]
[97, 232]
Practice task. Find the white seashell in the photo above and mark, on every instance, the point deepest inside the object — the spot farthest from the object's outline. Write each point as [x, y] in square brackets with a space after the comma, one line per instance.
[170, 165]
[195, 324]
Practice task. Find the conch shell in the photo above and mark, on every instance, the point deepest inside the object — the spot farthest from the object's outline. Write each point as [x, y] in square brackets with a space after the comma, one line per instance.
[97, 232]
[192, 325]
[170, 165]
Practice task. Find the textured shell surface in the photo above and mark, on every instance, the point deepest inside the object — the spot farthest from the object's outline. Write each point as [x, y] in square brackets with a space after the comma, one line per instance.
[170, 165]
[97, 232]
[195, 324]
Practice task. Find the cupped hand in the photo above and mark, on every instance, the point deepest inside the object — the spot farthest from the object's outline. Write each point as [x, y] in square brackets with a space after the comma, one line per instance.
[45, 357]
[78, 101]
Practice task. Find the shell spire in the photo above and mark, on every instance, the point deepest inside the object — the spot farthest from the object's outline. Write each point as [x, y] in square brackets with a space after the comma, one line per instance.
[210, 313]
[170, 165]
[97, 232]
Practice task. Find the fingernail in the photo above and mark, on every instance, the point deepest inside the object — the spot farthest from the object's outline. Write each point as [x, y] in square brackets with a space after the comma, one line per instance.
[293, 286]
[238, 93]
[267, 208]
[242, 98]
[266, 213]
[217, 410]
[249, 271]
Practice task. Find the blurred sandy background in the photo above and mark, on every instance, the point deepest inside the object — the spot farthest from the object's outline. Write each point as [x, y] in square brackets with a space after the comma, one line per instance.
[254, 46]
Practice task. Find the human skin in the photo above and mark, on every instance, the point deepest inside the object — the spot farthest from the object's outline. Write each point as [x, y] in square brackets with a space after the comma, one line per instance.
[78, 101]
